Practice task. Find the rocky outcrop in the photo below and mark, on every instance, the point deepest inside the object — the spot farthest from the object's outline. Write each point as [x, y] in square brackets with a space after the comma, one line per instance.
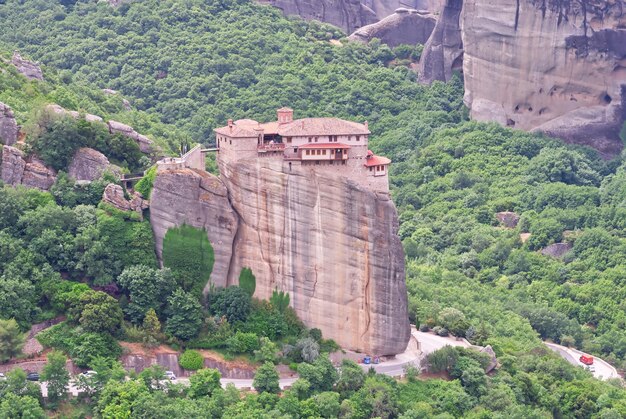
[30, 172]
[557, 250]
[332, 245]
[384, 8]
[8, 126]
[114, 195]
[443, 53]
[89, 164]
[59, 110]
[345, 14]
[145, 144]
[328, 242]
[405, 26]
[198, 199]
[508, 219]
[31, 70]
[550, 65]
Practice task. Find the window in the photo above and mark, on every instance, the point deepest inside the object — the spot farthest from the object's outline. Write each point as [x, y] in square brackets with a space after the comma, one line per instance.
[358, 138]
[371, 168]
[230, 142]
[307, 152]
[309, 140]
[288, 140]
[315, 139]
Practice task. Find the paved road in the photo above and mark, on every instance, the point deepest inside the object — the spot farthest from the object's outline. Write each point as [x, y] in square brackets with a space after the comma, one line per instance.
[603, 370]
[394, 367]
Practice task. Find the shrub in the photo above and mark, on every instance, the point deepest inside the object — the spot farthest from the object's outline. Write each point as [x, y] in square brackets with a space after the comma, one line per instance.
[189, 254]
[191, 360]
[247, 281]
[443, 332]
[241, 343]
[232, 302]
[424, 327]
[144, 186]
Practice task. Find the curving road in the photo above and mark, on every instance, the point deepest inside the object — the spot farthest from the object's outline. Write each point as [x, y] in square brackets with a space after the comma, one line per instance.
[602, 369]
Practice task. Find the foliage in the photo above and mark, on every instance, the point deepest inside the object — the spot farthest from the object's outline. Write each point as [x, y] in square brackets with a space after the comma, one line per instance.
[280, 300]
[96, 312]
[247, 281]
[266, 379]
[204, 383]
[184, 315]
[241, 343]
[11, 340]
[232, 302]
[267, 351]
[57, 377]
[147, 288]
[144, 186]
[191, 360]
[189, 254]
[13, 406]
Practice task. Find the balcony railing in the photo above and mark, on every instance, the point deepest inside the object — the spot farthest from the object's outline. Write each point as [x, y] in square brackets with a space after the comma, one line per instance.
[271, 147]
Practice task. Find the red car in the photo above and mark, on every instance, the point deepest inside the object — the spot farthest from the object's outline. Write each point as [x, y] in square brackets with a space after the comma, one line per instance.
[587, 360]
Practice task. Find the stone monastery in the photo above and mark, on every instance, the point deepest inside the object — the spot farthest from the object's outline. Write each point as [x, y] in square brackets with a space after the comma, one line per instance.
[329, 144]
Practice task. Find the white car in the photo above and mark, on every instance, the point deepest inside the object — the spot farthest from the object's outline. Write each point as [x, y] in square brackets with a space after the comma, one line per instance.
[170, 375]
[89, 373]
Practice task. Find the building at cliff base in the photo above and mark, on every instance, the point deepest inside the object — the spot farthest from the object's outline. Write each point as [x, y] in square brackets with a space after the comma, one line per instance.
[331, 145]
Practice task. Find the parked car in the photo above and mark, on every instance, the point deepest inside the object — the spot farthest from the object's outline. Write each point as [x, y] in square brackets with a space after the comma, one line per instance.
[586, 359]
[89, 373]
[170, 375]
[33, 376]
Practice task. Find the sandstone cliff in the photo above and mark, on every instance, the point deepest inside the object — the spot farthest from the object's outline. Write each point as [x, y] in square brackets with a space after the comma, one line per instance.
[198, 199]
[8, 126]
[554, 66]
[29, 69]
[88, 164]
[405, 26]
[329, 243]
[16, 169]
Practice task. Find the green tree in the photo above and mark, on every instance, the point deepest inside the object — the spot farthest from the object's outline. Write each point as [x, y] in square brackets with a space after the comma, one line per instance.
[204, 383]
[321, 374]
[97, 312]
[185, 315]
[247, 281]
[11, 340]
[327, 404]
[152, 329]
[57, 378]
[266, 379]
[13, 406]
[147, 288]
[232, 302]
[267, 351]
[351, 378]
[191, 360]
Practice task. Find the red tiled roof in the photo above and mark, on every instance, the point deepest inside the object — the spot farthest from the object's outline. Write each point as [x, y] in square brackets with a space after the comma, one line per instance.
[238, 131]
[270, 128]
[316, 146]
[376, 161]
[321, 126]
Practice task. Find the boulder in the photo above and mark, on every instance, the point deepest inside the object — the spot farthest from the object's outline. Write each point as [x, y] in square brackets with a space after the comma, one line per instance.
[492, 356]
[443, 53]
[31, 70]
[145, 144]
[59, 110]
[89, 164]
[9, 129]
[114, 195]
[13, 165]
[556, 250]
[402, 27]
[508, 219]
[38, 175]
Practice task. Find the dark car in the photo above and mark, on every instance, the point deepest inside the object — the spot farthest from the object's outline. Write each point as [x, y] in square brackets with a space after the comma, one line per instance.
[33, 376]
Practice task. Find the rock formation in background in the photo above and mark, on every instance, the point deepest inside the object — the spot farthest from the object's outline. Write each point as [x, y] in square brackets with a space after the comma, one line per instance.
[145, 144]
[88, 165]
[328, 242]
[9, 129]
[17, 169]
[553, 66]
[198, 199]
[59, 110]
[345, 14]
[405, 26]
[384, 8]
[443, 53]
[31, 70]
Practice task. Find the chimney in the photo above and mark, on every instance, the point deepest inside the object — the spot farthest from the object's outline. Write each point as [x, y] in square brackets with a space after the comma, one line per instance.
[367, 125]
[230, 124]
[285, 115]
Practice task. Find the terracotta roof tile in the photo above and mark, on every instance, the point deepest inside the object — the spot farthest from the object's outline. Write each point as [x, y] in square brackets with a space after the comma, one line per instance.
[316, 146]
[321, 126]
[376, 161]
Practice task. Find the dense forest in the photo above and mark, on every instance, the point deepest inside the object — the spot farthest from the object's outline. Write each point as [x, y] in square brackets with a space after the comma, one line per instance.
[65, 253]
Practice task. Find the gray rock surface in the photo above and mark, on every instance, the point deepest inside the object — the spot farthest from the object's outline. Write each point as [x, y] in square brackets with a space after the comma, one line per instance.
[31, 70]
[508, 219]
[443, 53]
[18, 170]
[557, 250]
[405, 26]
[13, 165]
[145, 144]
[38, 175]
[548, 65]
[59, 110]
[198, 199]
[89, 164]
[8, 126]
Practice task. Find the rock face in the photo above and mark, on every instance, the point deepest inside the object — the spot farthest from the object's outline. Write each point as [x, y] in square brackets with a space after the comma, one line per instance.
[330, 244]
[89, 164]
[145, 144]
[31, 172]
[405, 26]
[59, 110]
[384, 8]
[552, 65]
[198, 199]
[114, 194]
[508, 219]
[8, 127]
[443, 53]
[345, 14]
[28, 68]
[557, 250]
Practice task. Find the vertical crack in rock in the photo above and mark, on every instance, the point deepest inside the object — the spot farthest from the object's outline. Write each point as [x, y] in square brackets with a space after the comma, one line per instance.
[517, 15]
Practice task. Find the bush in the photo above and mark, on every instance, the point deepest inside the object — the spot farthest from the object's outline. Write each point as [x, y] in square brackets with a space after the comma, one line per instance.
[189, 254]
[443, 332]
[247, 281]
[191, 360]
[242, 343]
[144, 186]
[232, 302]
[424, 327]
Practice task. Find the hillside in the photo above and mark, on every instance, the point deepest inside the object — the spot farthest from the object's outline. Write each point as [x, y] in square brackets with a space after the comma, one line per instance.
[67, 253]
